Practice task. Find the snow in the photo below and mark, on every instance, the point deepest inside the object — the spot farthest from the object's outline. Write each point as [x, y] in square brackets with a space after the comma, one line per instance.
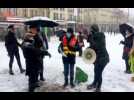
[114, 78]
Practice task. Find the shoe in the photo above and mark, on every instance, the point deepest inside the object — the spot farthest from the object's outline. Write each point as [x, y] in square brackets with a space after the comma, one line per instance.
[89, 87]
[97, 90]
[42, 79]
[11, 72]
[22, 70]
[72, 85]
[128, 72]
[65, 85]
[37, 85]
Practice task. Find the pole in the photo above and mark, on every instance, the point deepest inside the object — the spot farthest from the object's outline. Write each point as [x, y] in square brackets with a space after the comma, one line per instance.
[128, 14]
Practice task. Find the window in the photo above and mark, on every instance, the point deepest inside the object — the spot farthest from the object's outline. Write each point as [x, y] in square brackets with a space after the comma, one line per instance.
[70, 17]
[55, 16]
[55, 8]
[61, 9]
[61, 17]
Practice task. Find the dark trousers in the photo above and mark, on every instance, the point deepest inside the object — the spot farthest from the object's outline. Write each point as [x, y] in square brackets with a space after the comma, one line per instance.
[127, 65]
[69, 68]
[80, 52]
[41, 69]
[16, 54]
[33, 79]
[99, 67]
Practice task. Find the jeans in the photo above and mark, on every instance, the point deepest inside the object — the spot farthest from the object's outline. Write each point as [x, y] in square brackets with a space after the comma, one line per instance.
[68, 67]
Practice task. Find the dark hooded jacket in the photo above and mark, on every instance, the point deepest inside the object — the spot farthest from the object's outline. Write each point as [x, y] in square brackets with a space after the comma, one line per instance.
[33, 53]
[98, 43]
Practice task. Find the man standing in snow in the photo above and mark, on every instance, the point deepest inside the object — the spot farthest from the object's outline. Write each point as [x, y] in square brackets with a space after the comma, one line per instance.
[97, 42]
[12, 44]
[69, 46]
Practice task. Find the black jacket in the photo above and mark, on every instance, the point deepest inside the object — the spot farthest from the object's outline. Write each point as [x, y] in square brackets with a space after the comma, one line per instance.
[11, 43]
[128, 43]
[98, 43]
[33, 52]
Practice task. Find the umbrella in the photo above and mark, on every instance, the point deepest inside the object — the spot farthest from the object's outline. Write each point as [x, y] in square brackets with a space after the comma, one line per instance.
[125, 26]
[60, 33]
[41, 22]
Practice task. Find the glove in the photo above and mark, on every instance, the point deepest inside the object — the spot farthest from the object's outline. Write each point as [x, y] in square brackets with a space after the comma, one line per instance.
[49, 55]
[121, 42]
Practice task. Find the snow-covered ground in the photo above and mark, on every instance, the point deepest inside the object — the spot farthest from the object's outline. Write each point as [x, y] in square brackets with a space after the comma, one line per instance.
[114, 78]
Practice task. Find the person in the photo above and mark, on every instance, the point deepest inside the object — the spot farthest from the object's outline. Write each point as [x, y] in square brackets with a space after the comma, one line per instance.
[128, 44]
[98, 43]
[45, 46]
[81, 43]
[33, 51]
[11, 45]
[69, 46]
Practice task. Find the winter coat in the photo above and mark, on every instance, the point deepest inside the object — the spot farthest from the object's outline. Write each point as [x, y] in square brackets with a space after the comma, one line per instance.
[98, 43]
[11, 43]
[69, 47]
[33, 53]
[128, 43]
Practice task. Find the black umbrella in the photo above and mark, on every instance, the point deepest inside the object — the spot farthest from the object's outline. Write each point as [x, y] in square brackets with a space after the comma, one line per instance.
[41, 22]
[125, 26]
[60, 33]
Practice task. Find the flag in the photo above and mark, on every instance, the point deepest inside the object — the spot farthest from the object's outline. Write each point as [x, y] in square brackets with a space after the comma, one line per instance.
[80, 75]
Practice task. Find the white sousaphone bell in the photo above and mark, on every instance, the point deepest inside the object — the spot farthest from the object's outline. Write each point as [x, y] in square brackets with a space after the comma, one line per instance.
[89, 56]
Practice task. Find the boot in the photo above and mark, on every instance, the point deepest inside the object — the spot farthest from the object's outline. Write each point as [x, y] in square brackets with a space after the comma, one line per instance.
[42, 78]
[128, 72]
[97, 90]
[11, 72]
[22, 70]
[37, 84]
[66, 83]
[91, 86]
[72, 83]
[31, 87]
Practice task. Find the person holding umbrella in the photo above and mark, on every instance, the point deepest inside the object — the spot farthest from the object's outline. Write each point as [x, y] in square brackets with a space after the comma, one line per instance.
[128, 47]
[33, 51]
[11, 45]
[40, 22]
